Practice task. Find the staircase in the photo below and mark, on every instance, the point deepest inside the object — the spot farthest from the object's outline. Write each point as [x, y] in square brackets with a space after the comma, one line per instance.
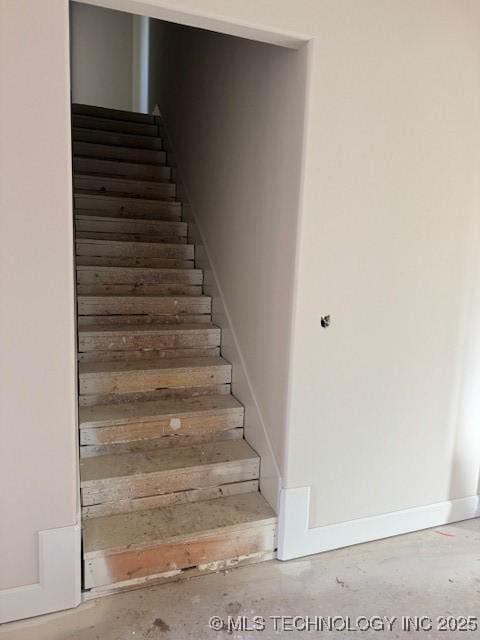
[169, 487]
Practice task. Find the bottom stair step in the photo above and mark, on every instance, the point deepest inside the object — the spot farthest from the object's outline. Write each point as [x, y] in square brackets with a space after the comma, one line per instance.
[126, 549]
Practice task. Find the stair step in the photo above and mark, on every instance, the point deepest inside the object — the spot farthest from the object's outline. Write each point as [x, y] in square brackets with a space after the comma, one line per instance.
[150, 375]
[151, 336]
[106, 479]
[123, 186]
[138, 289]
[133, 262]
[133, 275]
[134, 226]
[161, 393]
[117, 206]
[116, 423]
[84, 121]
[95, 280]
[138, 249]
[129, 237]
[114, 114]
[130, 547]
[152, 305]
[117, 139]
[125, 169]
[165, 499]
[108, 152]
[168, 441]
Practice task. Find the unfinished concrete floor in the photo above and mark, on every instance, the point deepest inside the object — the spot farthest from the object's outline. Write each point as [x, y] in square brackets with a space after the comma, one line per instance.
[430, 573]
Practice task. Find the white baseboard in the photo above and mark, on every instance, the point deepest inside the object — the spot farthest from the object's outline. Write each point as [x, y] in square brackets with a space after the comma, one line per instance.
[255, 430]
[59, 585]
[296, 539]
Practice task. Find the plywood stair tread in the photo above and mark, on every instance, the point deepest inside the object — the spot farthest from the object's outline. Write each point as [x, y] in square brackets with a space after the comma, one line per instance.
[118, 414]
[121, 198]
[150, 328]
[160, 460]
[114, 114]
[176, 523]
[87, 368]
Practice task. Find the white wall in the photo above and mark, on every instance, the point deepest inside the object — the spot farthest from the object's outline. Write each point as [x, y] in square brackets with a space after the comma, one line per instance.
[102, 56]
[38, 458]
[235, 111]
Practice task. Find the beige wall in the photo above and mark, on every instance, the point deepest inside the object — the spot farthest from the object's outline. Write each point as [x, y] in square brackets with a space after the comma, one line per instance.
[383, 406]
[38, 462]
[102, 57]
[235, 110]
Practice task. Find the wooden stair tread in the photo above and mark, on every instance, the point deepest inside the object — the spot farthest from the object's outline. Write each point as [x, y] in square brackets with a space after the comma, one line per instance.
[147, 329]
[160, 460]
[92, 368]
[135, 140]
[153, 410]
[116, 114]
[94, 123]
[105, 151]
[126, 243]
[80, 215]
[176, 523]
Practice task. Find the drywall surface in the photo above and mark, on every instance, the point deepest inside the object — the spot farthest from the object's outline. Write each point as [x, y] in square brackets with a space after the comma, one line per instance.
[383, 410]
[38, 461]
[101, 56]
[234, 110]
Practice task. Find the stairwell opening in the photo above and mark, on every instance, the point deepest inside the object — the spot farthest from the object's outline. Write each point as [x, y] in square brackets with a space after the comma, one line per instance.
[186, 221]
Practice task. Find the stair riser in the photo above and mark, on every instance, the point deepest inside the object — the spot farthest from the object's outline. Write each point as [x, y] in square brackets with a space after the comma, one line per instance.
[148, 354]
[112, 114]
[130, 341]
[157, 394]
[117, 139]
[189, 425]
[106, 124]
[144, 228]
[127, 382]
[132, 276]
[179, 497]
[125, 169]
[155, 306]
[164, 482]
[104, 151]
[147, 289]
[99, 205]
[129, 188]
[168, 557]
[106, 248]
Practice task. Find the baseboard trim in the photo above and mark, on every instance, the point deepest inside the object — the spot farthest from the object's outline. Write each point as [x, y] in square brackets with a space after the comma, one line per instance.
[296, 539]
[59, 585]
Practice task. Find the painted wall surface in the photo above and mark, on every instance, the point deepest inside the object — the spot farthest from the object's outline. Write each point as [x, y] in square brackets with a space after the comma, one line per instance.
[102, 56]
[38, 460]
[235, 111]
[383, 409]
[383, 406]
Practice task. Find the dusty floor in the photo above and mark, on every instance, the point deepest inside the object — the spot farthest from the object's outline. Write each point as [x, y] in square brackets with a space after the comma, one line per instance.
[431, 573]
